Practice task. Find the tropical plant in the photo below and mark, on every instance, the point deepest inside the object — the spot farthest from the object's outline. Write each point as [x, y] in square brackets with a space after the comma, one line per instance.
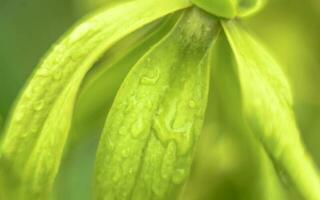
[165, 55]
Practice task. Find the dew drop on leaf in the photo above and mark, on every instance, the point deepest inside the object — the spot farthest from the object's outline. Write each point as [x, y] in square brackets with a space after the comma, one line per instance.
[192, 104]
[151, 79]
[80, 32]
[179, 176]
[19, 116]
[110, 144]
[137, 128]
[168, 160]
[117, 175]
[44, 72]
[39, 106]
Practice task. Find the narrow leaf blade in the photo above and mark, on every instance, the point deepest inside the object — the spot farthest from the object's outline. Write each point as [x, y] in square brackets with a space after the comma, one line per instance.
[267, 105]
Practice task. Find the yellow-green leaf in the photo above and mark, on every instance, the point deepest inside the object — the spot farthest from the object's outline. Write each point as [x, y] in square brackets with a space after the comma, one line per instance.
[147, 145]
[267, 107]
[39, 125]
[93, 102]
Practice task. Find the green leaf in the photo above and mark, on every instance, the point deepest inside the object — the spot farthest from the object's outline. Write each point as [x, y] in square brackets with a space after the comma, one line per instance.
[147, 146]
[267, 107]
[39, 125]
[228, 114]
[94, 102]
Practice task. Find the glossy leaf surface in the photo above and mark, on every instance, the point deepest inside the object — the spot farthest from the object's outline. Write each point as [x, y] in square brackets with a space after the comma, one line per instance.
[147, 145]
[39, 125]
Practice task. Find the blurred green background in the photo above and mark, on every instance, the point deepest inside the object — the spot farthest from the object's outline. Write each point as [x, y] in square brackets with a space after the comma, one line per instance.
[225, 166]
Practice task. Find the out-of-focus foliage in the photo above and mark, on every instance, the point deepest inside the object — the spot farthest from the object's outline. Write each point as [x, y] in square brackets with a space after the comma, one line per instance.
[225, 166]
[27, 30]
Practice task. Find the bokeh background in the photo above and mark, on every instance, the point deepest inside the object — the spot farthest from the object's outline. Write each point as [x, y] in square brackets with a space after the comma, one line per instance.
[225, 167]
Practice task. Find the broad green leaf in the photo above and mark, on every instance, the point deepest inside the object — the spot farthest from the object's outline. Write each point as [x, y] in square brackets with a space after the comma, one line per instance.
[147, 145]
[43, 112]
[230, 8]
[94, 102]
[267, 107]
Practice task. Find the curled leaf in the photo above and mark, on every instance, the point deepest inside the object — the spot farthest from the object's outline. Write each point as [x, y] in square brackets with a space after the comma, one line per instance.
[147, 145]
[267, 107]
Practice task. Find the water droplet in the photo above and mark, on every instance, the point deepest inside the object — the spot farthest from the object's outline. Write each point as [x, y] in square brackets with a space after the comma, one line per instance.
[160, 130]
[127, 108]
[120, 106]
[192, 104]
[80, 32]
[39, 106]
[179, 176]
[137, 128]
[110, 144]
[168, 160]
[159, 110]
[28, 93]
[183, 136]
[151, 80]
[19, 116]
[117, 175]
[44, 72]
[130, 105]
[76, 56]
